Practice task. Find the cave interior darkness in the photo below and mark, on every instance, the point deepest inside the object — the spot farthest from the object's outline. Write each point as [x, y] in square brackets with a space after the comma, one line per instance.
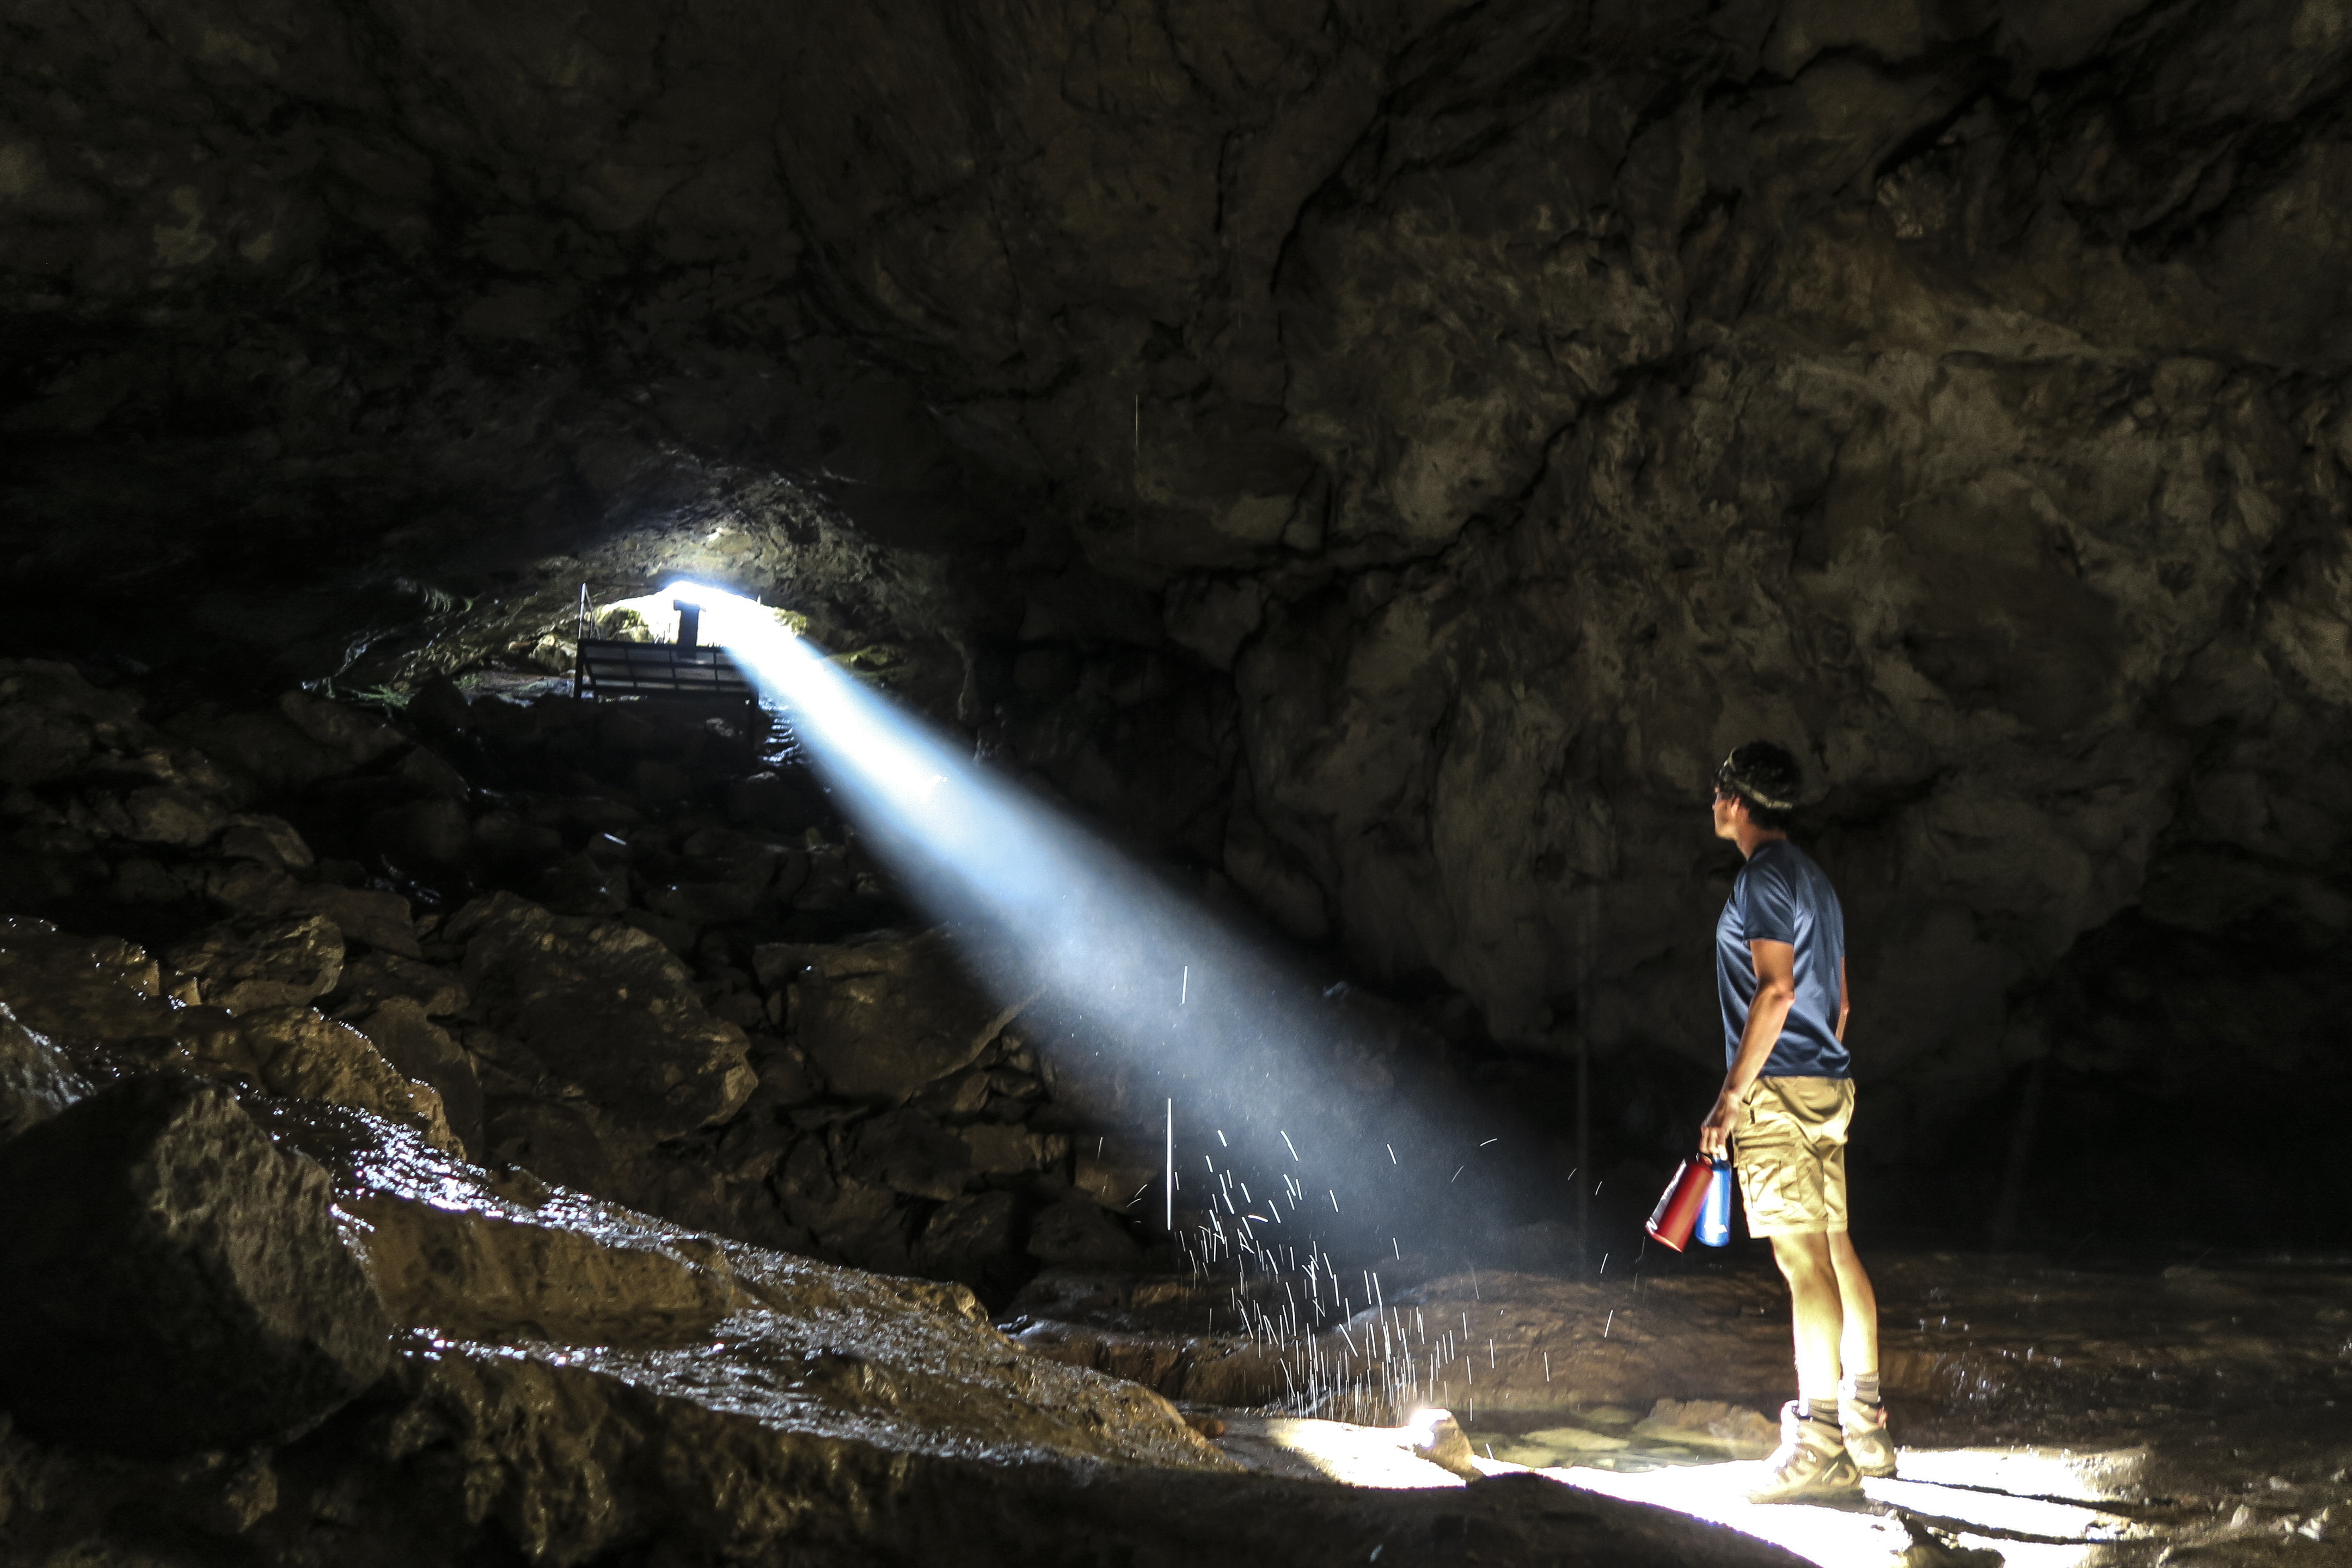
[1366, 460]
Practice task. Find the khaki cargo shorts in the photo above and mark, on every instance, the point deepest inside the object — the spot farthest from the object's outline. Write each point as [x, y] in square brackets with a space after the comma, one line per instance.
[1789, 1152]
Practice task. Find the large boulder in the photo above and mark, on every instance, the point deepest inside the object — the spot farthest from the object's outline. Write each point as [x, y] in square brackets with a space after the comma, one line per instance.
[1074, 1232]
[849, 1215]
[359, 736]
[380, 920]
[608, 1007]
[267, 840]
[423, 1050]
[265, 961]
[171, 1281]
[172, 815]
[909, 1152]
[883, 1014]
[435, 832]
[264, 748]
[379, 977]
[970, 1239]
[90, 990]
[999, 1149]
[263, 893]
[104, 992]
[301, 1054]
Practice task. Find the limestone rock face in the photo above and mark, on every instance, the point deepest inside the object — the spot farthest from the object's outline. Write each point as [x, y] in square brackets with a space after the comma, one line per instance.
[608, 1006]
[170, 1281]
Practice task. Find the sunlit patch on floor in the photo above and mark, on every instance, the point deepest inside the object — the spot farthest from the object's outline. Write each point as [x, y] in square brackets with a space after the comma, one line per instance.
[1963, 1508]
[1382, 1456]
[2035, 1509]
[1611, 1437]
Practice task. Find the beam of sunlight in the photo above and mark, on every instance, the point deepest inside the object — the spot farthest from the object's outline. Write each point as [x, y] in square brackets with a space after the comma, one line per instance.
[1309, 1147]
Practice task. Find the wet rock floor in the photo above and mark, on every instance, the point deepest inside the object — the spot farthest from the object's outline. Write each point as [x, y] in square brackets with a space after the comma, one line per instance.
[573, 1384]
[2049, 1414]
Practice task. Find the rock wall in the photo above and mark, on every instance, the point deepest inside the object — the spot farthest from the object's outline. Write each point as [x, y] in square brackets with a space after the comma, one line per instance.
[1385, 450]
[694, 994]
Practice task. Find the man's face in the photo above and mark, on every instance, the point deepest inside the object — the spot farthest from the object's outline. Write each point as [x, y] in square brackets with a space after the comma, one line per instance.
[1728, 809]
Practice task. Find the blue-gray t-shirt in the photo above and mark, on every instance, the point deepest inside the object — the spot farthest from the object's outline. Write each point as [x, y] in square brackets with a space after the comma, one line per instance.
[1782, 896]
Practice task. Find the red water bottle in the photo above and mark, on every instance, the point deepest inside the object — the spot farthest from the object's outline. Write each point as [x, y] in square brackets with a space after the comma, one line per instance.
[1676, 1215]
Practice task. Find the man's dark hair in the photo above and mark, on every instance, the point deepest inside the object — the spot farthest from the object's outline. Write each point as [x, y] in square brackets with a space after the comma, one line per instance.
[1768, 778]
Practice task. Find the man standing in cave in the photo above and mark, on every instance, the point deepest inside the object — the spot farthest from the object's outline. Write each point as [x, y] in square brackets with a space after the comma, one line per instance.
[1787, 1101]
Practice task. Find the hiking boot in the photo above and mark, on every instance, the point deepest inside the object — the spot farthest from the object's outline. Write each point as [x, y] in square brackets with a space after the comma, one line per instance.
[1866, 1442]
[1811, 1464]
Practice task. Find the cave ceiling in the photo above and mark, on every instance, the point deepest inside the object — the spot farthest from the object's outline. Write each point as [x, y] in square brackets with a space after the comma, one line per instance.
[1384, 452]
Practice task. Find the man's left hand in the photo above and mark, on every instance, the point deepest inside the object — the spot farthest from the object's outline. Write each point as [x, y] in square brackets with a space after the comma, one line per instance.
[1714, 1132]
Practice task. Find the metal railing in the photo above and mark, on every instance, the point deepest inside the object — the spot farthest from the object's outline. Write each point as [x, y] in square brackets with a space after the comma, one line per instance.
[603, 668]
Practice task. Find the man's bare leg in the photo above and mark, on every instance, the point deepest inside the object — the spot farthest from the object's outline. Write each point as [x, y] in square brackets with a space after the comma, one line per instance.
[1811, 1461]
[1818, 1315]
[1861, 1414]
[1858, 1341]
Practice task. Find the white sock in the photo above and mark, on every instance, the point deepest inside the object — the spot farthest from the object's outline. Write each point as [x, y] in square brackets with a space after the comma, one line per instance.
[1864, 1389]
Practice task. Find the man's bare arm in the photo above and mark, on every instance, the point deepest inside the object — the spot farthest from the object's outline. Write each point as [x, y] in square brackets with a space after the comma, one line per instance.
[1776, 993]
[1846, 998]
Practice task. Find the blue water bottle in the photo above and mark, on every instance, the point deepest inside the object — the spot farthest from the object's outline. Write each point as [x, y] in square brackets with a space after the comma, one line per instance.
[1714, 1214]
